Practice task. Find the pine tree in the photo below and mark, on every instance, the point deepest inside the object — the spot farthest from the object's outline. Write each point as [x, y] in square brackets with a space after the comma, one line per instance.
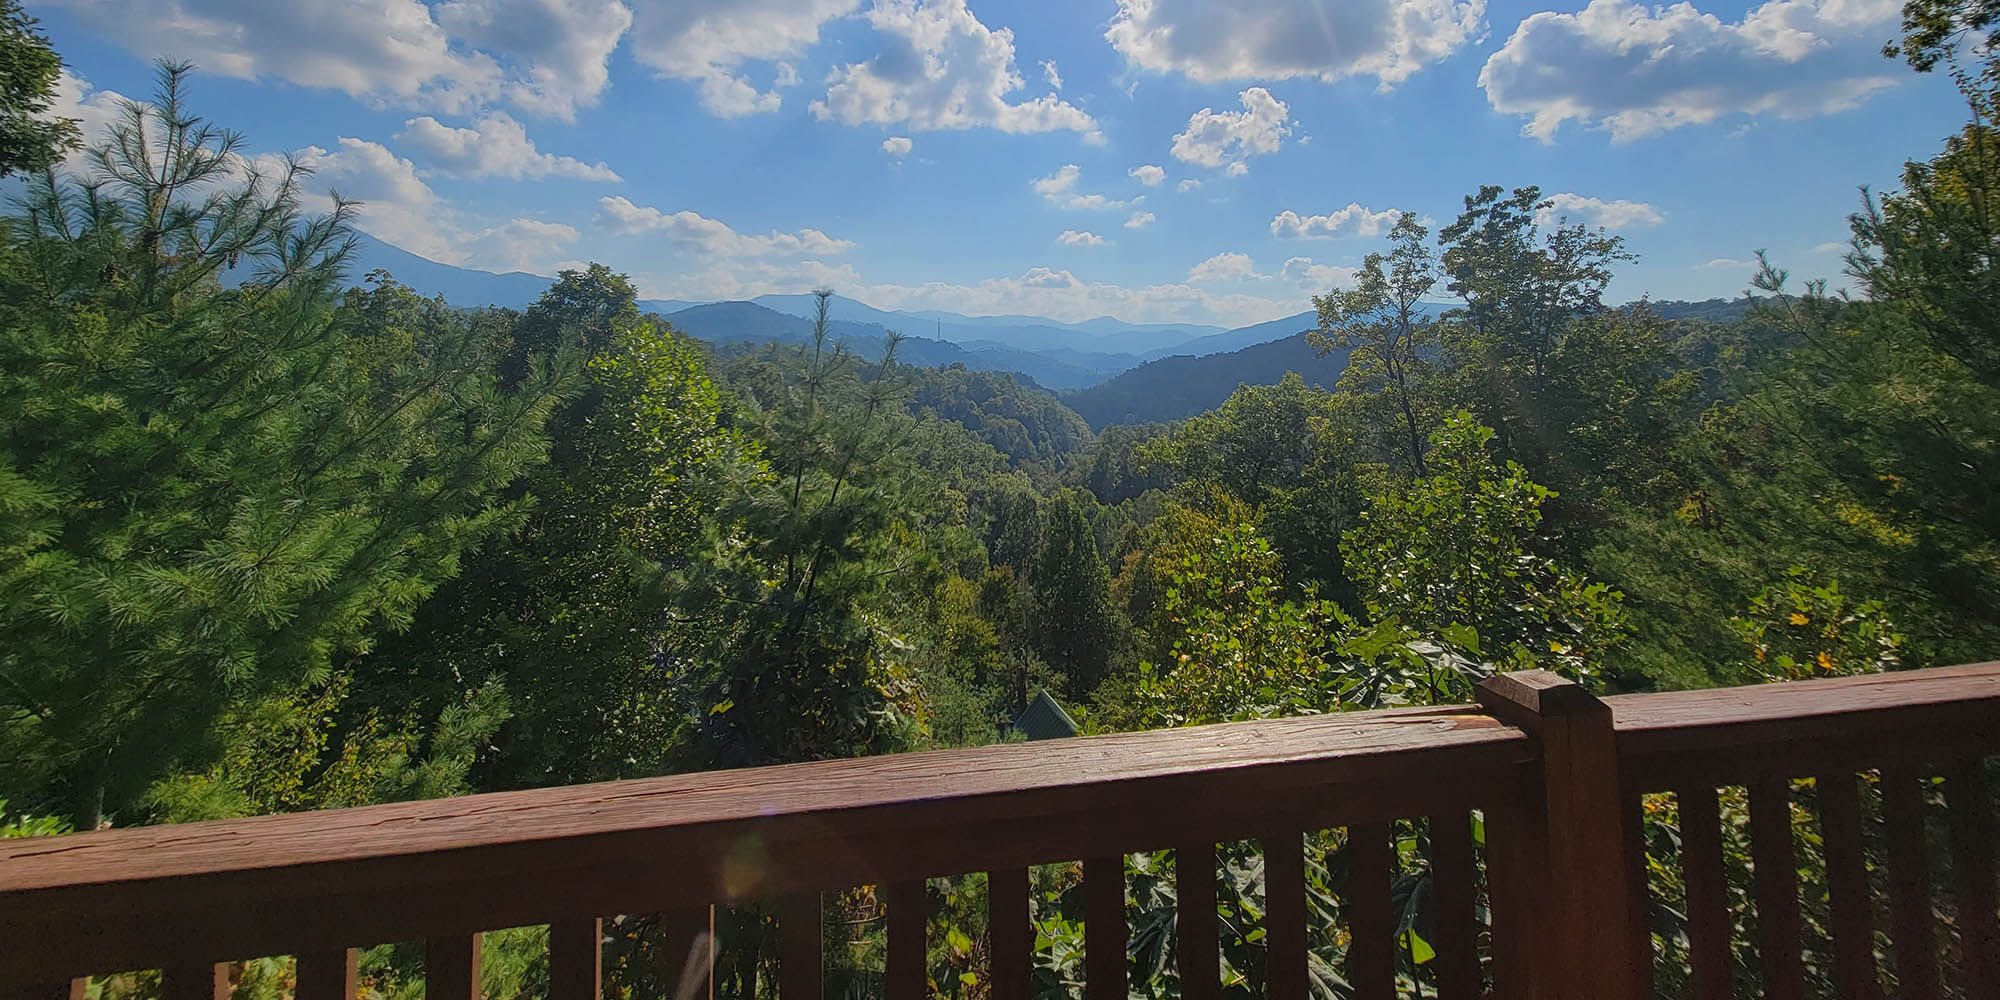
[1075, 624]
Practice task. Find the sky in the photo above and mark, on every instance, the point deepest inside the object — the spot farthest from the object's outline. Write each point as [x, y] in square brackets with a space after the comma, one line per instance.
[1201, 161]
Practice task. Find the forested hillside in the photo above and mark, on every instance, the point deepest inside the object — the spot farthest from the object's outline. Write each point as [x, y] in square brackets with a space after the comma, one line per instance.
[275, 536]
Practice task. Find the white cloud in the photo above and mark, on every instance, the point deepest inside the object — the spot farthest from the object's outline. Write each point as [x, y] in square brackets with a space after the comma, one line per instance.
[1725, 264]
[897, 145]
[396, 204]
[1354, 220]
[692, 231]
[1050, 73]
[940, 68]
[495, 146]
[1071, 237]
[546, 56]
[1148, 174]
[1214, 138]
[93, 110]
[1187, 184]
[1637, 71]
[1597, 212]
[1302, 272]
[1215, 40]
[1224, 267]
[1060, 189]
[708, 41]
[1139, 220]
[1063, 296]
[563, 46]
[1832, 248]
[530, 245]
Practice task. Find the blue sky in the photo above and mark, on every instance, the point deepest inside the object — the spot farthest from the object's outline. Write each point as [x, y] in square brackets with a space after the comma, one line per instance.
[989, 157]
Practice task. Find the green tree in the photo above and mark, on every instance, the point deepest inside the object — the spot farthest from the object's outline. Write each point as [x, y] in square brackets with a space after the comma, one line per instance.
[29, 140]
[1381, 326]
[1075, 624]
[212, 495]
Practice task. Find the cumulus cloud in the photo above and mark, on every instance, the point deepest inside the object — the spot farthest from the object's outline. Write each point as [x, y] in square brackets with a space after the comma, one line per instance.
[1139, 220]
[1148, 174]
[530, 245]
[93, 110]
[1074, 238]
[563, 47]
[1354, 220]
[1224, 267]
[709, 41]
[495, 146]
[1051, 74]
[1636, 71]
[1597, 212]
[1215, 40]
[1725, 264]
[1187, 184]
[693, 231]
[897, 145]
[1301, 271]
[1214, 138]
[546, 56]
[940, 68]
[1059, 189]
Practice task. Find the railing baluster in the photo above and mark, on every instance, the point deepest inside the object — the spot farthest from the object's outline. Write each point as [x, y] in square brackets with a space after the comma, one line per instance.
[452, 967]
[576, 952]
[1514, 859]
[909, 976]
[1455, 884]
[327, 975]
[1285, 915]
[67, 989]
[687, 953]
[1972, 838]
[1104, 930]
[1200, 954]
[1777, 886]
[1007, 923]
[1915, 943]
[801, 939]
[1848, 893]
[1371, 917]
[1707, 897]
[195, 982]
[1639, 894]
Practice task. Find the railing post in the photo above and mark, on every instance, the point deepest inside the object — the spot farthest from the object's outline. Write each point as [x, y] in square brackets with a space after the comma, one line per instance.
[1582, 949]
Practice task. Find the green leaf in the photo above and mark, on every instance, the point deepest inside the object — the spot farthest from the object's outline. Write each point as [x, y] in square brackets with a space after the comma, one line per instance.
[1420, 949]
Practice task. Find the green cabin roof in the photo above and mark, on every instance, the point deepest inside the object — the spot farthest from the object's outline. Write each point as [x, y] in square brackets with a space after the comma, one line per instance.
[1043, 719]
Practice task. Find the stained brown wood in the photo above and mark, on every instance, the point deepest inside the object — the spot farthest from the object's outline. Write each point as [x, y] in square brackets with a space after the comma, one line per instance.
[1972, 839]
[1371, 917]
[1285, 915]
[1912, 939]
[1777, 888]
[1454, 879]
[327, 975]
[576, 956]
[1707, 896]
[1847, 887]
[1200, 956]
[1737, 735]
[1104, 929]
[801, 940]
[1639, 891]
[195, 982]
[687, 953]
[1516, 859]
[279, 884]
[1012, 941]
[909, 977]
[1585, 952]
[452, 967]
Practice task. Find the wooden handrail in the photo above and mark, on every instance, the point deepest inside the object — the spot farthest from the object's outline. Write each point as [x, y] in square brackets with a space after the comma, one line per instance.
[1557, 775]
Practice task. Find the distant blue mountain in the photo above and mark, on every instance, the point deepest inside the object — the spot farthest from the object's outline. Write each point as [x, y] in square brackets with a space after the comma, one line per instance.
[460, 286]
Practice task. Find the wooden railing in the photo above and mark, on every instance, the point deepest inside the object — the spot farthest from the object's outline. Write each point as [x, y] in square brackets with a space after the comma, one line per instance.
[1553, 904]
